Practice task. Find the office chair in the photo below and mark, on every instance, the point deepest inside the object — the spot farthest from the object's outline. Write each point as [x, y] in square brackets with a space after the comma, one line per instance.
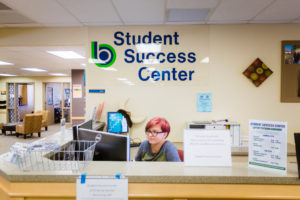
[181, 155]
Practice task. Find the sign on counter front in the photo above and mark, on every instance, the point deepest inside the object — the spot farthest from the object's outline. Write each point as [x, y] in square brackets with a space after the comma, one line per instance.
[268, 145]
[101, 188]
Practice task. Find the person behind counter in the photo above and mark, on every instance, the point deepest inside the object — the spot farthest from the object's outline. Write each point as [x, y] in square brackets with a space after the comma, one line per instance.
[156, 147]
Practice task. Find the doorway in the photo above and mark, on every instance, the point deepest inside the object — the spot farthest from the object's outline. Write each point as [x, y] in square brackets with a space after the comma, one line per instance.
[57, 101]
[20, 101]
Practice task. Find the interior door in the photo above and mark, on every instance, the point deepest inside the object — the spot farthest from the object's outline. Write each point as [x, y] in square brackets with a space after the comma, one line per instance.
[49, 105]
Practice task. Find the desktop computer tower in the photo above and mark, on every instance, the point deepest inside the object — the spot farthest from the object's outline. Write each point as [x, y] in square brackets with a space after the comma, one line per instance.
[297, 145]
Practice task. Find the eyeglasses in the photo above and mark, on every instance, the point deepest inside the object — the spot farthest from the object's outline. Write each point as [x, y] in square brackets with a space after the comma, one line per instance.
[153, 133]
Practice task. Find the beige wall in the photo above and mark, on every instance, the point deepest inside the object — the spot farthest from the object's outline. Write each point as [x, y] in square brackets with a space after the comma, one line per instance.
[38, 88]
[231, 49]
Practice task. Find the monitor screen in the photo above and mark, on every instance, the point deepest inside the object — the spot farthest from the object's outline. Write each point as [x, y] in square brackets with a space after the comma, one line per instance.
[116, 123]
[111, 147]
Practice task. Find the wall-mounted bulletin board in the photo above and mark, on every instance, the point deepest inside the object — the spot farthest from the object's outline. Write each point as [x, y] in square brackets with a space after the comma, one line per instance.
[290, 71]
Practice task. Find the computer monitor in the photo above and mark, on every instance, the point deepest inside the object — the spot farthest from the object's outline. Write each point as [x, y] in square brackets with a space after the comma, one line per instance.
[297, 146]
[116, 123]
[87, 125]
[111, 147]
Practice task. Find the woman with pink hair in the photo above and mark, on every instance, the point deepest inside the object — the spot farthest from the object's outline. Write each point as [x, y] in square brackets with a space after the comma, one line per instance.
[156, 147]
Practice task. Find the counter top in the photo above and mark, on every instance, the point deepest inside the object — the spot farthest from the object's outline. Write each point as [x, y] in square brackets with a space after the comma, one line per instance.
[154, 172]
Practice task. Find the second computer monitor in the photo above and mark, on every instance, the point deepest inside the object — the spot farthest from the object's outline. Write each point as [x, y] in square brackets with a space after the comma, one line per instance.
[111, 147]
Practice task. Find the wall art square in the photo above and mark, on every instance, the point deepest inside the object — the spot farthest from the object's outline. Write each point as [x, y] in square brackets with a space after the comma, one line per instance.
[257, 72]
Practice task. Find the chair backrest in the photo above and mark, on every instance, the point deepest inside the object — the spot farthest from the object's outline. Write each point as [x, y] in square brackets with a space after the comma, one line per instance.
[37, 123]
[45, 114]
[28, 121]
[181, 154]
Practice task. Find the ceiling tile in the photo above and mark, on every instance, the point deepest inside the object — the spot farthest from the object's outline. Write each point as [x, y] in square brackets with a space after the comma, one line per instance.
[134, 12]
[187, 15]
[194, 4]
[238, 10]
[280, 10]
[92, 12]
[44, 12]
[12, 17]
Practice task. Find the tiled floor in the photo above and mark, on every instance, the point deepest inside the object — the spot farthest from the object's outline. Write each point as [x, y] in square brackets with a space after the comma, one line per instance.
[8, 140]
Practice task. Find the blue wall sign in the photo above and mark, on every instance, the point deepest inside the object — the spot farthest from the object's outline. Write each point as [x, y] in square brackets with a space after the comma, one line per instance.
[96, 91]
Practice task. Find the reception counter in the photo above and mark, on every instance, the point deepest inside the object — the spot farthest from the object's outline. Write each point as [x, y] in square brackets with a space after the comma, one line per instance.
[154, 180]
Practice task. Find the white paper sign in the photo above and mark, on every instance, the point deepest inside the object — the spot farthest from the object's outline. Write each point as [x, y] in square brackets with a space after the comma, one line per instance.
[268, 145]
[207, 147]
[99, 188]
[77, 91]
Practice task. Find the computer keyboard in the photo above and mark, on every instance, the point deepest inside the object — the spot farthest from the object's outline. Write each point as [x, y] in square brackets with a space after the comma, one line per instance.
[135, 144]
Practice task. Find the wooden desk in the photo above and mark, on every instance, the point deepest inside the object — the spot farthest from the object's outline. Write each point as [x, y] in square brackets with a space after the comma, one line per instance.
[156, 191]
[155, 180]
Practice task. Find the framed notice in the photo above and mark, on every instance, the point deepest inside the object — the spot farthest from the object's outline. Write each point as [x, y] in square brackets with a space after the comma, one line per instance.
[204, 102]
[268, 145]
[77, 91]
[207, 147]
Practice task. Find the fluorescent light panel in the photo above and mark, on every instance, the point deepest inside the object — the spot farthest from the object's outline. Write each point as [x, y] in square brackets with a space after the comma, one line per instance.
[7, 75]
[58, 74]
[34, 69]
[66, 54]
[5, 63]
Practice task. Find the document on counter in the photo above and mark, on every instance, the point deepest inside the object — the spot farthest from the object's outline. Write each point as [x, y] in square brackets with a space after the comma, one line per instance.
[101, 188]
[268, 145]
[207, 147]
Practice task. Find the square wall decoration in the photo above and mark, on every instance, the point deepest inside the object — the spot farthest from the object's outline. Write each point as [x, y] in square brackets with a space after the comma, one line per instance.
[257, 72]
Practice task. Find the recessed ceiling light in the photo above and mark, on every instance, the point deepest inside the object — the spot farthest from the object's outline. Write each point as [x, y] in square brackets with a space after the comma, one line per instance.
[34, 69]
[58, 74]
[83, 64]
[7, 75]
[5, 63]
[66, 54]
